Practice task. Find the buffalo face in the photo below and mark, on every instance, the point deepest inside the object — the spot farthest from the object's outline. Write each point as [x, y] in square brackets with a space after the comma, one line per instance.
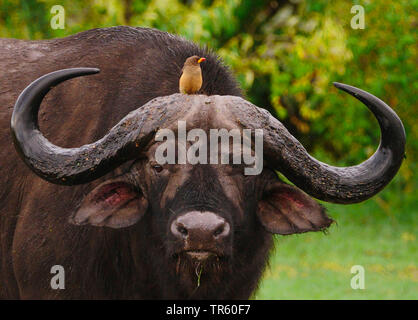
[202, 216]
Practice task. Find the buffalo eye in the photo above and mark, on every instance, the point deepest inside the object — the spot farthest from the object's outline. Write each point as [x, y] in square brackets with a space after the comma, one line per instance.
[157, 168]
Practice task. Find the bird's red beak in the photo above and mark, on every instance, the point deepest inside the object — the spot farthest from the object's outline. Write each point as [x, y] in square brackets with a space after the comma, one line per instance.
[201, 60]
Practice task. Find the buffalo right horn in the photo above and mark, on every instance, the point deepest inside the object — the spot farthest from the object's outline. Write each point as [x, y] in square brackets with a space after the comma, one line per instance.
[285, 153]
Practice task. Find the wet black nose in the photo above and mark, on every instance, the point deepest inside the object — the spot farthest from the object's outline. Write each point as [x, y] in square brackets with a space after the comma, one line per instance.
[200, 226]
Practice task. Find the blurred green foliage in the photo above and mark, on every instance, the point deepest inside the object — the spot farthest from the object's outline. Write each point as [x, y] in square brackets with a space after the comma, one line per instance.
[286, 54]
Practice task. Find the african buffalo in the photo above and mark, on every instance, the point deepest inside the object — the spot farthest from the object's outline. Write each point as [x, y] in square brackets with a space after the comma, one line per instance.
[122, 225]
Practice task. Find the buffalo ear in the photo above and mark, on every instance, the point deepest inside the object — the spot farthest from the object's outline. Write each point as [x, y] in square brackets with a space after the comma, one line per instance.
[114, 203]
[285, 209]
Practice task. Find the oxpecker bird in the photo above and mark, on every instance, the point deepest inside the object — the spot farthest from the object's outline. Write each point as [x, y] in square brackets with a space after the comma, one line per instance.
[191, 78]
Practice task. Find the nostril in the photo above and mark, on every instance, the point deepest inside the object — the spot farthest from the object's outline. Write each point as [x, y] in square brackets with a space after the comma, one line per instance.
[179, 230]
[182, 230]
[219, 231]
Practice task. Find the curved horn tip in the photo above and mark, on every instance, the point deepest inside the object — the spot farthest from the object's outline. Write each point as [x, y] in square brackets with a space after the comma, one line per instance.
[78, 71]
[86, 70]
[345, 87]
[95, 70]
[354, 91]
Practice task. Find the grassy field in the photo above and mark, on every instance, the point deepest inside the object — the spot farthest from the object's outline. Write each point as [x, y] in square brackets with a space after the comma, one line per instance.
[379, 234]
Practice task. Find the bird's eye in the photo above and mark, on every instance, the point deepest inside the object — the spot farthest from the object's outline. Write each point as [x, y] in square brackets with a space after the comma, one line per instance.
[157, 168]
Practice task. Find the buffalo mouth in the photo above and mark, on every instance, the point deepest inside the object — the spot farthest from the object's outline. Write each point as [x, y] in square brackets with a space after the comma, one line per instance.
[201, 255]
[193, 257]
[198, 254]
[193, 261]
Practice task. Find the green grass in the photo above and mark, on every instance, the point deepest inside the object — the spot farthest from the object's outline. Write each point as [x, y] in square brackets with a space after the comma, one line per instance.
[379, 234]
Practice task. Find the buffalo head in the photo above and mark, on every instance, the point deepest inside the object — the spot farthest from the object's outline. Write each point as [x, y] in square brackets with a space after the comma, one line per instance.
[203, 215]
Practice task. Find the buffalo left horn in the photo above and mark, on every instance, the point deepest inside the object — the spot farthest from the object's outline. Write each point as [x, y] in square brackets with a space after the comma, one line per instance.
[69, 166]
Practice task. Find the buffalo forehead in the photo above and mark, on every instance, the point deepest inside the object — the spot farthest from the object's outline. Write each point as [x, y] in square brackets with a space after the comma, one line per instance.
[200, 111]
